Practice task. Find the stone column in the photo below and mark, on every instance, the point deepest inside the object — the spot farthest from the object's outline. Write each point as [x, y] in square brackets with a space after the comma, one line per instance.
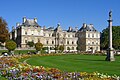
[110, 51]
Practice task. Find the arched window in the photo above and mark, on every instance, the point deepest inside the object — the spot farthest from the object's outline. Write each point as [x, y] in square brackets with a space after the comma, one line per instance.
[72, 48]
[72, 42]
[52, 42]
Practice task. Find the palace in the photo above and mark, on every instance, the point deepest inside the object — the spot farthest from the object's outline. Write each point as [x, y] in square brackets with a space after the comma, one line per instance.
[86, 38]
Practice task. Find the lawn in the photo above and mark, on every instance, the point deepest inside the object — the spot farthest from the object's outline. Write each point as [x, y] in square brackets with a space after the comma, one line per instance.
[78, 63]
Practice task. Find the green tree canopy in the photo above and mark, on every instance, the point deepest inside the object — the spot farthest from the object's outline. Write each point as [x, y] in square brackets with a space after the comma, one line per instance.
[61, 48]
[10, 45]
[30, 43]
[4, 33]
[38, 46]
[116, 38]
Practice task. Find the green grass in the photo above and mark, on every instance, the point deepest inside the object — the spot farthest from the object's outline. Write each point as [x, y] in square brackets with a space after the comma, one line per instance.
[79, 63]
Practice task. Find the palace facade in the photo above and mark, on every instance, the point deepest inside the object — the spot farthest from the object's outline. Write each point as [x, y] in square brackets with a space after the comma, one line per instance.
[84, 39]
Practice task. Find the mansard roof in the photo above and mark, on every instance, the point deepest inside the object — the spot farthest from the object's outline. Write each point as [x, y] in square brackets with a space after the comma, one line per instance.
[87, 28]
[30, 22]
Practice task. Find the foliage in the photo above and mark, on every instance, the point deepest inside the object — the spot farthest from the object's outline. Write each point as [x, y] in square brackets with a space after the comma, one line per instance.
[10, 45]
[57, 48]
[116, 37]
[45, 48]
[30, 43]
[4, 33]
[38, 46]
[61, 48]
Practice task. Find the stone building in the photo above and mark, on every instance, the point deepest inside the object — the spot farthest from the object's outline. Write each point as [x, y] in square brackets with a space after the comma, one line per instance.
[72, 39]
[88, 38]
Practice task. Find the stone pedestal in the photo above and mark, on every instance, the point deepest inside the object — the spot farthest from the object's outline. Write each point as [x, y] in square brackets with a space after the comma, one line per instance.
[110, 55]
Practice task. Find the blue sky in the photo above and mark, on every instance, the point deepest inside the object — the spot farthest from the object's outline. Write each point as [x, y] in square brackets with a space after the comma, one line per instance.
[66, 12]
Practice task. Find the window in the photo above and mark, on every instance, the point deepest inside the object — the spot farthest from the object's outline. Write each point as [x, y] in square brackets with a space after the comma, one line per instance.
[96, 48]
[44, 34]
[96, 43]
[72, 42]
[46, 42]
[49, 35]
[26, 33]
[52, 42]
[93, 43]
[32, 40]
[92, 35]
[68, 48]
[68, 35]
[72, 35]
[96, 35]
[25, 41]
[88, 35]
[72, 48]
[38, 40]
[88, 43]
[67, 42]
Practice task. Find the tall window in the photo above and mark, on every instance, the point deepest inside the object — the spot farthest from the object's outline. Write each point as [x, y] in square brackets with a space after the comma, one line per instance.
[68, 35]
[96, 35]
[25, 41]
[92, 35]
[72, 42]
[88, 35]
[25, 32]
[72, 35]
[47, 42]
[44, 34]
[72, 48]
[96, 48]
[67, 42]
[52, 42]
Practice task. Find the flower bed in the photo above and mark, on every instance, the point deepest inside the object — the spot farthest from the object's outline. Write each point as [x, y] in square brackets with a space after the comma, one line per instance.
[11, 68]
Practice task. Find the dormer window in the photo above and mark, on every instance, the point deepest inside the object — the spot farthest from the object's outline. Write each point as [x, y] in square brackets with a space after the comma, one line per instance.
[26, 33]
[68, 35]
[49, 35]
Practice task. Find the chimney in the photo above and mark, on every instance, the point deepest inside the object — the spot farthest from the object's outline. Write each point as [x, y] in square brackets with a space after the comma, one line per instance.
[84, 25]
[76, 29]
[91, 25]
[24, 19]
[17, 24]
[44, 27]
[70, 28]
[35, 19]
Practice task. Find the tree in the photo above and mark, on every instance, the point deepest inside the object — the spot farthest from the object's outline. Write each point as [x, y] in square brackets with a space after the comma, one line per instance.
[116, 37]
[30, 43]
[10, 45]
[61, 48]
[4, 33]
[38, 46]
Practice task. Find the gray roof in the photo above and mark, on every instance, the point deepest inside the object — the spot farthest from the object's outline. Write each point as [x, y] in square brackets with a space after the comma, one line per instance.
[87, 28]
[58, 28]
[30, 22]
